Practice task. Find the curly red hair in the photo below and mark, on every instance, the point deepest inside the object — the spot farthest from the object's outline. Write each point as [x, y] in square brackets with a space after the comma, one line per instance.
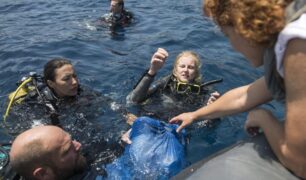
[259, 21]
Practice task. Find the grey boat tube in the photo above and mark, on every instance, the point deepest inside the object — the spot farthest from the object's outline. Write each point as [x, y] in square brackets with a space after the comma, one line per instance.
[251, 159]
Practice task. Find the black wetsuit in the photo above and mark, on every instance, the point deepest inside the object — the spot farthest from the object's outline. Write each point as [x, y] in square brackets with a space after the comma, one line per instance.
[123, 19]
[88, 117]
[161, 100]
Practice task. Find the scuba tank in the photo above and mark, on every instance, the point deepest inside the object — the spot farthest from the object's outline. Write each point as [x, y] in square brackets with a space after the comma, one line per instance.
[6, 171]
[4, 157]
[29, 87]
[25, 86]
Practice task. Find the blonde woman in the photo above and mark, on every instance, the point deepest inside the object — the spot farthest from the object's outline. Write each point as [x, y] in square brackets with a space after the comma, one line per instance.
[181, 90]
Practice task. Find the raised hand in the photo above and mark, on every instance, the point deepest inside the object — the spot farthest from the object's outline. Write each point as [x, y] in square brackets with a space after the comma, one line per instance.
[158, 60]
[213, 97]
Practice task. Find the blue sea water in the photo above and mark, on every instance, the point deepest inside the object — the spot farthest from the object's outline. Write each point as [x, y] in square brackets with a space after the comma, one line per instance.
[34, 31]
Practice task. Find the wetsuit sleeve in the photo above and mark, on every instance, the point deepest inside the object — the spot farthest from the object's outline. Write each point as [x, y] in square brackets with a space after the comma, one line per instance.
[159, 84]
[141, 90]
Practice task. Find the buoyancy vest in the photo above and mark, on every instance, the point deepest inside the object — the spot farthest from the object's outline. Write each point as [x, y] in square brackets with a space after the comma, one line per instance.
[275, 82]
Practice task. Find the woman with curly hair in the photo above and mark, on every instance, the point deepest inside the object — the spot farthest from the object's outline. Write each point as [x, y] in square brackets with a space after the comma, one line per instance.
[271, 33]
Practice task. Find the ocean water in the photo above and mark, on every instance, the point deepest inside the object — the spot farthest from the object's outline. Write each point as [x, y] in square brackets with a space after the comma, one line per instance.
[34, 31]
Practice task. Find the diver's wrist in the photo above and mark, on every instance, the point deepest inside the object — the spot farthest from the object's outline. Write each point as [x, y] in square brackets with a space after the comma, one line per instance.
[151, 73]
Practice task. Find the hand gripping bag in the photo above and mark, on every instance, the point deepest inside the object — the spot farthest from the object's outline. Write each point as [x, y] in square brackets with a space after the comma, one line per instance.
[156, 152]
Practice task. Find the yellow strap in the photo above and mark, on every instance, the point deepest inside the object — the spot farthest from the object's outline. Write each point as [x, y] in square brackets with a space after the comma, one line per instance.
[13, 97]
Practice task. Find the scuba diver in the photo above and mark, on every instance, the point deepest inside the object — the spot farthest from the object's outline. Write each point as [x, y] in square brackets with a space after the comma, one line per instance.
[118, 15]
[58, 99]
[180, 91]
[51, 95]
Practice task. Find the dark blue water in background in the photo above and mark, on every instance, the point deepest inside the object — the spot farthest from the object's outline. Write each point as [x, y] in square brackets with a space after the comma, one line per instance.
[34, 31]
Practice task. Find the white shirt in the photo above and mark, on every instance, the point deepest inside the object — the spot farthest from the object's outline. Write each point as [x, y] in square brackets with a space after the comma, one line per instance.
[295, 29]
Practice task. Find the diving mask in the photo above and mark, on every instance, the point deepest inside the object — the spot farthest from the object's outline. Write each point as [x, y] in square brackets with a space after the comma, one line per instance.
[183, 88]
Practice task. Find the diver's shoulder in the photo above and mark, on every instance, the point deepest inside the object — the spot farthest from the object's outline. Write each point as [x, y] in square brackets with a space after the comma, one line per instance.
[106, 17]
[128, 13]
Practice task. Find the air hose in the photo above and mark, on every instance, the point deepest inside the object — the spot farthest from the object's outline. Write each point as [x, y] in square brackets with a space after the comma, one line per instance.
[13, 97]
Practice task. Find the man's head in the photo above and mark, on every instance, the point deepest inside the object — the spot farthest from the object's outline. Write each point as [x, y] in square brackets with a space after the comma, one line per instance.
[117, 6]
[46, 152]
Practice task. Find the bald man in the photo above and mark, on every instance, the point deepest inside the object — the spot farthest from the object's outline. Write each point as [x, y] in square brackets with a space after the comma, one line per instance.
[46, 153]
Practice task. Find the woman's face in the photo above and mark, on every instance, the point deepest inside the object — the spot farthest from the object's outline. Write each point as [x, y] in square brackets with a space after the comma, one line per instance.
[186, 68]
[66, 82]
[252, 52]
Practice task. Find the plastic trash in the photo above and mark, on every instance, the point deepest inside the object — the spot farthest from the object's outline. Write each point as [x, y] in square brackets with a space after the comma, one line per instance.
[156, 152]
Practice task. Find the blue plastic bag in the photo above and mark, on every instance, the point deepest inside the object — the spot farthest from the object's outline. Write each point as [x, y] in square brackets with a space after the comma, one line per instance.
[156, 152]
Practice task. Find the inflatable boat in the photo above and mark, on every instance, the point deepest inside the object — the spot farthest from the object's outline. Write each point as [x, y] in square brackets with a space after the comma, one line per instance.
[251, 159]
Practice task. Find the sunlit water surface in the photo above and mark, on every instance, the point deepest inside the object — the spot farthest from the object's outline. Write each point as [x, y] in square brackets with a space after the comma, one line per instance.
[34, 31]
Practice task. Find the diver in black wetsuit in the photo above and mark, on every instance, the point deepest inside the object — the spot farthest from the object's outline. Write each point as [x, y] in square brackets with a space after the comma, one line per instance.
[181, 91]
[58, 99]
[118, 15]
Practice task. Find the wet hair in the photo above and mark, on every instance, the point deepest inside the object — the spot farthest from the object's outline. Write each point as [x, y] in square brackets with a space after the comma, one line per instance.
[51, 66]
[258, 21]
[32, 156]
[196, 57]
[120, 2]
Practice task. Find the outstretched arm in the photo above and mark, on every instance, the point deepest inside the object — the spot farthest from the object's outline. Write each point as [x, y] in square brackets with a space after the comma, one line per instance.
[288, 140]
[237, 100]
